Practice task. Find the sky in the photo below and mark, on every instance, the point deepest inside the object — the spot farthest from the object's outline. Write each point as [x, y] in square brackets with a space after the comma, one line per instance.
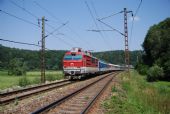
[19, 22]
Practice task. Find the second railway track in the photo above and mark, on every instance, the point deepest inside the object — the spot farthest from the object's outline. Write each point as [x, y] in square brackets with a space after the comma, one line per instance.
[79, 101]
[23, 93]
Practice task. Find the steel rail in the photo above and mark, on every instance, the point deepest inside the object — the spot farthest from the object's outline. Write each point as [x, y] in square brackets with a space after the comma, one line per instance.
[29, 88]
[61, 100]
[22, 96]
[86, 109]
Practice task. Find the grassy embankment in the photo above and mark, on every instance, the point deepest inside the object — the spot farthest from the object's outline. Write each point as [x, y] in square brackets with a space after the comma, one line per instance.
[33, 77]
[137, 96]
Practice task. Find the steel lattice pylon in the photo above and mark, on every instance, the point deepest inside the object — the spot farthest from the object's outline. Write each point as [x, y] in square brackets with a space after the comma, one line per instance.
[43, 52]
[126, 39]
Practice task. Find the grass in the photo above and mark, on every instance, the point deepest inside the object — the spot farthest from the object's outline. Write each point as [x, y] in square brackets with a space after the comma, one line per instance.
[32, 77]
[137, 96]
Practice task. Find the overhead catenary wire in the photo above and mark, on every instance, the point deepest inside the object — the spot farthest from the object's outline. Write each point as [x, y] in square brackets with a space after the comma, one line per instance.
[24, 43]
[63, 41]
[60, 34]
[95, 11]
[94, 20]
[50, 26]
[125, 33]
[75, 41]
[14, 3]
[91, 13]
[54, 18]
[133, 16]
[46, 10]
[19, 18]
[69, 28]
[20, 42]
[55, 29]
[67, 43]
[43, 42]
[49, 33]
[52, 33]
[32, 24]
[99, 30]
[138, 8]
[33, 15]
[111, 27]
[82, 40]
[111, 15]
[100, 20]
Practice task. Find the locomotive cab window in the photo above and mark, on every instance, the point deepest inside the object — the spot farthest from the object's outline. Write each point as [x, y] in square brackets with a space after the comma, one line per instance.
[73, 57]
[77, 57]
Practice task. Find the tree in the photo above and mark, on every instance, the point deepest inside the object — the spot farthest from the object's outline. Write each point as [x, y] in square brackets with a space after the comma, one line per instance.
[157, 46]
[17, 67]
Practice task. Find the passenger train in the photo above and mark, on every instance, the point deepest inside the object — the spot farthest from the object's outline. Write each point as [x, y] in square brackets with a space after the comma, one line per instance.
[78, 63]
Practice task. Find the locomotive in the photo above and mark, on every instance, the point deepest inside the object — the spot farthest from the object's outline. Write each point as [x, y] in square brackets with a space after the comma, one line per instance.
[78, 63]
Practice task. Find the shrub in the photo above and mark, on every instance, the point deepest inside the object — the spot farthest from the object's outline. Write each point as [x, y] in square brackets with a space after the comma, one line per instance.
[142, 69]
[24, 81]
[154, 73]
[17, 67]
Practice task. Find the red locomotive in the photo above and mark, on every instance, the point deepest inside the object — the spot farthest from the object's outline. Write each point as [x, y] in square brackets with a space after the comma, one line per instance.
[78, 63]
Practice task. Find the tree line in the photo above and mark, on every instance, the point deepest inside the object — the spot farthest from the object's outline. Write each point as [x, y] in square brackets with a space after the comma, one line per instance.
[19, 60]
[15, 60]
[155, 61]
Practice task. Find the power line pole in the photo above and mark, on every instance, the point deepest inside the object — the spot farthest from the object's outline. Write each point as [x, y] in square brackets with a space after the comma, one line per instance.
[43, 52]
[126, 38]
[125, 34]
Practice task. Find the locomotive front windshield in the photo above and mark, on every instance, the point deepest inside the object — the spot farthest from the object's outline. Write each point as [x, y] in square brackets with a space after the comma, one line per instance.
[73, 57]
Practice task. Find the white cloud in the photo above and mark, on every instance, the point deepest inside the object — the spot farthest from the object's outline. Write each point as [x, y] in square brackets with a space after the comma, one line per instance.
[136, 18]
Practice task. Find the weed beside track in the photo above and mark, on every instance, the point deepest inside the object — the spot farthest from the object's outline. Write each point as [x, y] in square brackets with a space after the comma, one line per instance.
[135, 95]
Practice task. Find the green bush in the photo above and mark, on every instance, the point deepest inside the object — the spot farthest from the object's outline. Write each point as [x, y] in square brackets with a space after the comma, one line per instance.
[24, 81]
[17, 67]
[154, 73]
[142, 69]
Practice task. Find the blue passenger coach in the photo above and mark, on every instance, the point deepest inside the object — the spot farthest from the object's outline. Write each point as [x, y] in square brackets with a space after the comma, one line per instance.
[103, 66]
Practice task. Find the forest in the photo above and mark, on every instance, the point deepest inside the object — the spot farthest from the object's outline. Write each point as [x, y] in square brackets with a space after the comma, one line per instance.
[155, 62]
[30, 59]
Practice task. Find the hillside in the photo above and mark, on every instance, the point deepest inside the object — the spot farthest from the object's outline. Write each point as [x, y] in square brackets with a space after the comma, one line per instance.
[54, 57]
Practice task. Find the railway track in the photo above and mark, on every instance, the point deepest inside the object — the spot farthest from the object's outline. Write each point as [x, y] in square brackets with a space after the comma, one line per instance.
[79, 101]
[24, 93]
